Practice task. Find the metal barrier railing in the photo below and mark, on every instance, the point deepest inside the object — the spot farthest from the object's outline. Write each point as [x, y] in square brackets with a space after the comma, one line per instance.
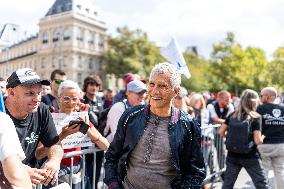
[212, 146]
[214, 153]
[82, 153]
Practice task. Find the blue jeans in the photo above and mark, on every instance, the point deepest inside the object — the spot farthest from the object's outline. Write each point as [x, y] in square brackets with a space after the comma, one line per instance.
[254, 168]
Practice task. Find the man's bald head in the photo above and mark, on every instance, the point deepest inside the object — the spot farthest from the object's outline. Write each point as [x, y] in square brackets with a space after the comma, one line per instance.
[268, 95]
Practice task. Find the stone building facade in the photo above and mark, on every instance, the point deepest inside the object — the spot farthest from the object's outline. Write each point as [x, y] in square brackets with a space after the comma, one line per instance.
[70, 38]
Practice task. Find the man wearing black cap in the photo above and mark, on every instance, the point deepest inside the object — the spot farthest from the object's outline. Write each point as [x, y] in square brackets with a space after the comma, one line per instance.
[33, 123]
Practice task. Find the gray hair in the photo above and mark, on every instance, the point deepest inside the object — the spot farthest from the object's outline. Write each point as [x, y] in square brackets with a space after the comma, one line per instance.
[168, 69]
[68, 84]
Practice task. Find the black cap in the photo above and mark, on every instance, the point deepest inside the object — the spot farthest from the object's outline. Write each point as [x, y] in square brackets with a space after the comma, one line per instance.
[24, 77]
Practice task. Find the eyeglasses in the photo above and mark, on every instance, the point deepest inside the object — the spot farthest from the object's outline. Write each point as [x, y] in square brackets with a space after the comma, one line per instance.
[68, 98]
[58, 81]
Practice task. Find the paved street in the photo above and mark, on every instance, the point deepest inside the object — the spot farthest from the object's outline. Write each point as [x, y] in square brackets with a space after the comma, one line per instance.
[244, 181]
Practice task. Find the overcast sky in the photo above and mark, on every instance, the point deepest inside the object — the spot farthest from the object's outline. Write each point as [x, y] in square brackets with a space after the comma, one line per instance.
[200, 23]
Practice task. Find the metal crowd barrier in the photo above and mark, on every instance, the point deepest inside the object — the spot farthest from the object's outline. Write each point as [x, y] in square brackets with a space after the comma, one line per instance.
[82, 153]
[214, 153]
[212, 146]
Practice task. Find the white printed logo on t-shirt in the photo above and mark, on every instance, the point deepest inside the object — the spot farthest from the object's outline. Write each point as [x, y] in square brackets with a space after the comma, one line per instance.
[276, 112]
[32, 139]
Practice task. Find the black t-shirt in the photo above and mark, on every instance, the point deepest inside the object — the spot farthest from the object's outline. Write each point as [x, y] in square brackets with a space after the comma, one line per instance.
[51, 101]
[95, 110]
[38, 126]
[255, 126]
[272, 122]
[96, 106]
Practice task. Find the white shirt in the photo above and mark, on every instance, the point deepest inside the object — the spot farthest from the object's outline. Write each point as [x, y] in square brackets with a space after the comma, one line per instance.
[113, 117]
[212, 111]
[9, 141]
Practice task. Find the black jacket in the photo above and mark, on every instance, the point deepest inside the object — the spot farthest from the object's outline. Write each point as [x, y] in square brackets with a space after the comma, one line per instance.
[184, 138]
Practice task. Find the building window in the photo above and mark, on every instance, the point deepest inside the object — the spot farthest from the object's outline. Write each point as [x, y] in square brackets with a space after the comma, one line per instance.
[56, 36]
[66, 35]
[80, 63]
[53, 62]
[68, 6]
[42, 62]
[60, 62]
[91, 65]
[79, 78]
[101, 42]
[45, 37]
[59, 9]
[64, 60]
[90, 38]
[79, 34]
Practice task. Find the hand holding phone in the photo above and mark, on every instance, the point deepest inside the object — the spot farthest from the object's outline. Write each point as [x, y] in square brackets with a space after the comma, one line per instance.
[73, 122]
[83, 126]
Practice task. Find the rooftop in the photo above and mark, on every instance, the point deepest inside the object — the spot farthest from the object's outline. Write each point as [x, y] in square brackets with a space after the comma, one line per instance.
[81, 6]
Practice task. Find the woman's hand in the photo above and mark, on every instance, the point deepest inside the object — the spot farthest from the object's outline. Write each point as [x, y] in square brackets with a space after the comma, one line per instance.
[68, 130]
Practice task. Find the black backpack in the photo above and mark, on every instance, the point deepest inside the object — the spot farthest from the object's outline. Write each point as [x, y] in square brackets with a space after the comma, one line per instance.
[103, 120]
[239, 137]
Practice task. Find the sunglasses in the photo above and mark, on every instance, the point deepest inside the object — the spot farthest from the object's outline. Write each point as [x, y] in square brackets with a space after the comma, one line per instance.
[58, 81]
[68, 98]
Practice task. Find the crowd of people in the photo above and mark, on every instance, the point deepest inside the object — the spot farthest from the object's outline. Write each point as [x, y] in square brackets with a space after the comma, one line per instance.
[150, 133]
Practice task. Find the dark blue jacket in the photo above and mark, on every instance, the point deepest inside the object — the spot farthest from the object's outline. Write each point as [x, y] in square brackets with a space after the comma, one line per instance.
[184, 139]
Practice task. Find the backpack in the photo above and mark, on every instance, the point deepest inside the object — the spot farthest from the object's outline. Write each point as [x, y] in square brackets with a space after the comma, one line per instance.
[239, 137]
[103, 120]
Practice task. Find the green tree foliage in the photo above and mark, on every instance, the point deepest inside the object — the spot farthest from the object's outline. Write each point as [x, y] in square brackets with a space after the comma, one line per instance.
[234, 68]
[197, 67]
[131, 51]
[231, 66]
[276, 69]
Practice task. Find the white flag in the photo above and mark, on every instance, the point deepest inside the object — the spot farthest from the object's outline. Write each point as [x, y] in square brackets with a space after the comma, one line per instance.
[173, 54]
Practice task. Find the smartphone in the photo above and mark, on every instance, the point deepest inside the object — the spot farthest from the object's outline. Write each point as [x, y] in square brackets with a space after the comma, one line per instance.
[73, 122]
